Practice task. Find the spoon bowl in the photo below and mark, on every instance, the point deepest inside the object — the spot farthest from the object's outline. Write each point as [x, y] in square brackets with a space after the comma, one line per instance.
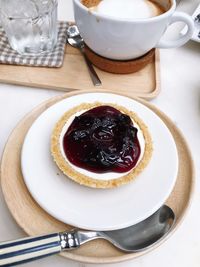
[76, 41]
[137, 237]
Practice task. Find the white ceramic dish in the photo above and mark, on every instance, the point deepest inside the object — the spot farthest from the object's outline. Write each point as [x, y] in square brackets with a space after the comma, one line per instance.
[98, 209]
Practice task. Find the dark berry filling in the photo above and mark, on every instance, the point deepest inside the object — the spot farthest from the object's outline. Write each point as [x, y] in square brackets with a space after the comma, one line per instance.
[101, 140]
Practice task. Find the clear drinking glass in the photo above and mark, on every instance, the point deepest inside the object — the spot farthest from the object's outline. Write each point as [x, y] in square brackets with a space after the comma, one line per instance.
[30, 25]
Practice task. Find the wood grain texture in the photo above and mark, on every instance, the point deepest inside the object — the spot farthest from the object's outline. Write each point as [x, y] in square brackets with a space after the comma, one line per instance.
[35, 221]
[73, 75]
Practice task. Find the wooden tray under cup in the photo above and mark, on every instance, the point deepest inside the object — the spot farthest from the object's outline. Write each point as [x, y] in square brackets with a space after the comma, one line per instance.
[73, 75]
[35, 221]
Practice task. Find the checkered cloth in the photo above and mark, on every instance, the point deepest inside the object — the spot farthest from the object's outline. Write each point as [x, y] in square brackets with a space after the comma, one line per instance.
[48, 59]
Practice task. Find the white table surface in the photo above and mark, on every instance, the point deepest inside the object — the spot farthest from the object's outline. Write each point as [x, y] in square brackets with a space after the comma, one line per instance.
[179, 99]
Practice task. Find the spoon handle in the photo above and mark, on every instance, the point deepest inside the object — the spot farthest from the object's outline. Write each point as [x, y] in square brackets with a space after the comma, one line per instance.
[95, 79]
[33, 248]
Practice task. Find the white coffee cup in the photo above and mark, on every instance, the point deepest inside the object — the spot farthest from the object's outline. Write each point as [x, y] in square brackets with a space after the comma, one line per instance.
[124, 39]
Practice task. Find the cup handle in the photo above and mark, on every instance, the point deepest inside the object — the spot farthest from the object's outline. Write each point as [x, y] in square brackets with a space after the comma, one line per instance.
[179, 16]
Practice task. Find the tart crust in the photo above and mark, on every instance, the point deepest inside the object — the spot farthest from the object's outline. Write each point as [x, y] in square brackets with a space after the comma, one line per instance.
[83, 179]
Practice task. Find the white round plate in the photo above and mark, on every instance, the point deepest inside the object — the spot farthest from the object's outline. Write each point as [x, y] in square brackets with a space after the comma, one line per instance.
[98, 209]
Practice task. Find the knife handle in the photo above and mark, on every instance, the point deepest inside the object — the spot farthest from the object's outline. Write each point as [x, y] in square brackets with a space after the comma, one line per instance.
[33, 248]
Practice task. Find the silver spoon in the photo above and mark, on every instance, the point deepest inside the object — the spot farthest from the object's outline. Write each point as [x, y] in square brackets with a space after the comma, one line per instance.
[75, 40]
[131, 239]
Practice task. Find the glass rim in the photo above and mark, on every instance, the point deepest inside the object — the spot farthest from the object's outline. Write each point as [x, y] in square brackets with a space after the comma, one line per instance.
[55, 3]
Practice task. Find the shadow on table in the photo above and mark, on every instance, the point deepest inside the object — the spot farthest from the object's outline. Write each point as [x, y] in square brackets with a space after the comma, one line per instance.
[194, 46]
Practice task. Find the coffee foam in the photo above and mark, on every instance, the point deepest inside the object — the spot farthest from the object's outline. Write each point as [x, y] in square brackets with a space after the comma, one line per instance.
[128, 9]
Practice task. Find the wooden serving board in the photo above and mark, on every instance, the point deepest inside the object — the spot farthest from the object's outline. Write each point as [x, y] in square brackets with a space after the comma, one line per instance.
[74, 75]
[35, 221]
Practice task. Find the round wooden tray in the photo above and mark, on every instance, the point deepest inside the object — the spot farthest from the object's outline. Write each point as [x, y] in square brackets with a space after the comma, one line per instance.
[35, 221]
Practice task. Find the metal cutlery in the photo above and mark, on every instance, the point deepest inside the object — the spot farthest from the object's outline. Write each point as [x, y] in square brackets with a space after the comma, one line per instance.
[75, 40]
[197, 23]
[134, 238]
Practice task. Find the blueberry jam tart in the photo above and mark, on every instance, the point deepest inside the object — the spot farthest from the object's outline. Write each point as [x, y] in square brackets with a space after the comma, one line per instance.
[101, 145]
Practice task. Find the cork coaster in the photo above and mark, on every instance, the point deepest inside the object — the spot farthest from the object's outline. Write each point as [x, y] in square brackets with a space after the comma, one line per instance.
[35, 221]
[118, 66]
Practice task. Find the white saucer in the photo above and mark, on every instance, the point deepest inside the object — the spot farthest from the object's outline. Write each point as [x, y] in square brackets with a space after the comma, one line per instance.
[98, 209]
